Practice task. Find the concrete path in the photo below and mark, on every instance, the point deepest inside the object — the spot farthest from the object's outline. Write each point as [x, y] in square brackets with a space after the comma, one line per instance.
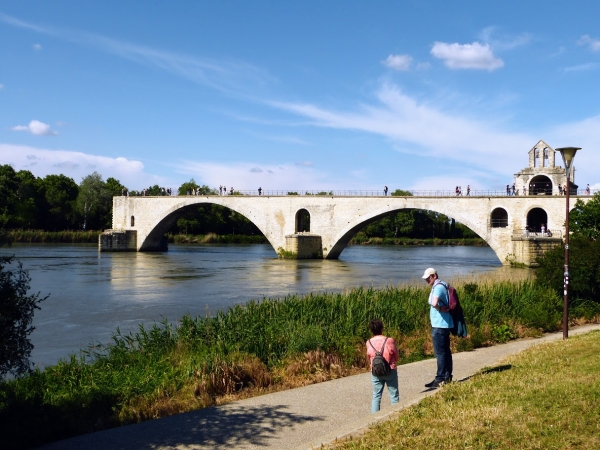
[302, 418]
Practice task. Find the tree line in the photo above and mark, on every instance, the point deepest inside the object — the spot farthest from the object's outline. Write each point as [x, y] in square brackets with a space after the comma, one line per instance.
[57, 203]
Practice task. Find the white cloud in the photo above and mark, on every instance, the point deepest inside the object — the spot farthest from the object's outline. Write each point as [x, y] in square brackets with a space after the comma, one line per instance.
[593, 44]
[418, 127]
[36, 127]
[580, 68]
[37, 47]
[466, 56]
[42, 162]
[398, 62]
[505, 42]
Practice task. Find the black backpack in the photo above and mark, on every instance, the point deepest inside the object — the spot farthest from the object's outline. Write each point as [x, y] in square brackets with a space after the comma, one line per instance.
[380, 367]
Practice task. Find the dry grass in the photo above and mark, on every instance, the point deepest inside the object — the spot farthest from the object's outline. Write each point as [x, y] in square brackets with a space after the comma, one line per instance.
[545, 398]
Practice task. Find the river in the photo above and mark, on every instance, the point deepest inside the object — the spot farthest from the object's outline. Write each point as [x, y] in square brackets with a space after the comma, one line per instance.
[92, 294]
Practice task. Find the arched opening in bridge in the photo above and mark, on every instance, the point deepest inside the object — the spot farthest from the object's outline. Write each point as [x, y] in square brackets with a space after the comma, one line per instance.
[540, 185]
[132, 221]
[536, 218]
[302, 221]
[499, 218]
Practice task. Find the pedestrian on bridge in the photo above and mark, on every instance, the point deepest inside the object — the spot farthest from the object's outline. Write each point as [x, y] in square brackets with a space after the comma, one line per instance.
[385, 190]
[386, 347]
[259, 191]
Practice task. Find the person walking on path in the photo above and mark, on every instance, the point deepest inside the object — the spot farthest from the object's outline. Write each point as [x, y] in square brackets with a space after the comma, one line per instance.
[441, 324]
[386, 346]
[385, 190]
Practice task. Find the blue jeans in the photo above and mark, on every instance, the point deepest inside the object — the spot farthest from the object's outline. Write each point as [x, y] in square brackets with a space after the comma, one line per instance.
[378, 383]
[441, 347]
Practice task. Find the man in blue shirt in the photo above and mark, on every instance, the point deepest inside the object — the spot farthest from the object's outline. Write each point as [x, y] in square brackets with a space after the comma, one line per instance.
[441, 323]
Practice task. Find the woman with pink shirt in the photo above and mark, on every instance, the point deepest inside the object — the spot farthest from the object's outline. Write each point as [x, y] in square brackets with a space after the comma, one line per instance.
[390, 353]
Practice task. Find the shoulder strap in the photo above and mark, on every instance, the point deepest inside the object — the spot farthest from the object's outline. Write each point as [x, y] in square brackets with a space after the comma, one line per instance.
[383, 346]
[443, 283]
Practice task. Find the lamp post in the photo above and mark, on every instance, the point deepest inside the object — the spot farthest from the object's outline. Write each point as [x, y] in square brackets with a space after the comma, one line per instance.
[568, 154]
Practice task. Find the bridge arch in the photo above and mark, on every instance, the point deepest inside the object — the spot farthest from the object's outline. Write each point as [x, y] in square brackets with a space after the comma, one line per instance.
[155, 238]
[499, 218]
[535, 218]
[540, 184]
[302, 221]
[345, 235]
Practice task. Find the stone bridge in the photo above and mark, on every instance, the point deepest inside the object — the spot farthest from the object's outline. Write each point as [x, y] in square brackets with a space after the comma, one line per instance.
[140, 223]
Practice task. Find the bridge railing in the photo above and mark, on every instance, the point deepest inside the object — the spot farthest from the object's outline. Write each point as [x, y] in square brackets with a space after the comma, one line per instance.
[380, 193]
[523, 233]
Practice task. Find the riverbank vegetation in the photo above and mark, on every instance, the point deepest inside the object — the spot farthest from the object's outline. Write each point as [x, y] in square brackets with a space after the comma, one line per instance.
[63, 237]
[546, 397]
[91, 237]
[362, 239]
[259, 347]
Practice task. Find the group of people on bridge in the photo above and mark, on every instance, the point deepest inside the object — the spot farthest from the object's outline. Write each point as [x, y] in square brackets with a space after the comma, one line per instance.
[458, 190]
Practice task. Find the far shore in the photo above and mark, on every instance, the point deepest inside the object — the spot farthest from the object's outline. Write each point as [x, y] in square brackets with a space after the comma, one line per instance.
[91, 237]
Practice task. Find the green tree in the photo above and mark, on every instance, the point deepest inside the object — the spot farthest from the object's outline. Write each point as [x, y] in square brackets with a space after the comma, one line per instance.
[155, 190]
[16, 315]
[584, 219]
[94, 202]
[584, 255]
[584, 268]
[30, 201]
[114, 187]
[187, 188]
[59, 211]
[401, 193]
[9, 185]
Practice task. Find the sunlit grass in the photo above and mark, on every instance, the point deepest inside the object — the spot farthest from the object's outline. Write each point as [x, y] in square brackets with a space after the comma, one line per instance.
[545, 398]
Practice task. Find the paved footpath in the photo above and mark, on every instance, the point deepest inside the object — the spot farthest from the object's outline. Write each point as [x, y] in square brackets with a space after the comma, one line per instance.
[302, 418]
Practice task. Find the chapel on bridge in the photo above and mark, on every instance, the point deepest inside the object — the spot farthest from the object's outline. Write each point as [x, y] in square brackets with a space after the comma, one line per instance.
[543, 177]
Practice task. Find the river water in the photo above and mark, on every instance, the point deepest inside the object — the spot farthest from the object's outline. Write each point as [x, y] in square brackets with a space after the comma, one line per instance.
[92, 294]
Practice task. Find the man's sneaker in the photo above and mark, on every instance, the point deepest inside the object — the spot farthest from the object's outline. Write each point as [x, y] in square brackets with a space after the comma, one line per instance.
[434, 384]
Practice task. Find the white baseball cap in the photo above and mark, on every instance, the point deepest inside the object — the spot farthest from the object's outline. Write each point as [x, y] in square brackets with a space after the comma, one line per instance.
[429, 272]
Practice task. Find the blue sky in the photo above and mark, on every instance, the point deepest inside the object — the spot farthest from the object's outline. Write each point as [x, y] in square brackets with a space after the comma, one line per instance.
[298, 95]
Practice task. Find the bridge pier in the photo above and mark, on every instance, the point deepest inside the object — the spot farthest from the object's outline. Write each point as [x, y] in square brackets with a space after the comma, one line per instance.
[526, 250]
[302, 246]
[118, 241]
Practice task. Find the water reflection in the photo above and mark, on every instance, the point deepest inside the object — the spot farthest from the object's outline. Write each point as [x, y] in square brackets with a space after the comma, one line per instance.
[94, 293]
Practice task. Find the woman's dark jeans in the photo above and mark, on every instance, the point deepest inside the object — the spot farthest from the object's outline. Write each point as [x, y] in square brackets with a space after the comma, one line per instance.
[441, 347]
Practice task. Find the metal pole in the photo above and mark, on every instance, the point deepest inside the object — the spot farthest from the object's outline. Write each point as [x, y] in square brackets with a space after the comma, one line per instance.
[566, 279]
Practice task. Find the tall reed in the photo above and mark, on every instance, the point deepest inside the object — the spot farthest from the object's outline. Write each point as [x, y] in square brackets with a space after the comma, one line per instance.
[65, 236]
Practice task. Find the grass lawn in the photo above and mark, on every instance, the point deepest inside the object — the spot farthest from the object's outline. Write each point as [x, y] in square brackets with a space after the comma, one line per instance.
[545, 398]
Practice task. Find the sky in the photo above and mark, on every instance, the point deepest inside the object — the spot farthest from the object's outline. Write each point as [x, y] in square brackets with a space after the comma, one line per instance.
[310, 95]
